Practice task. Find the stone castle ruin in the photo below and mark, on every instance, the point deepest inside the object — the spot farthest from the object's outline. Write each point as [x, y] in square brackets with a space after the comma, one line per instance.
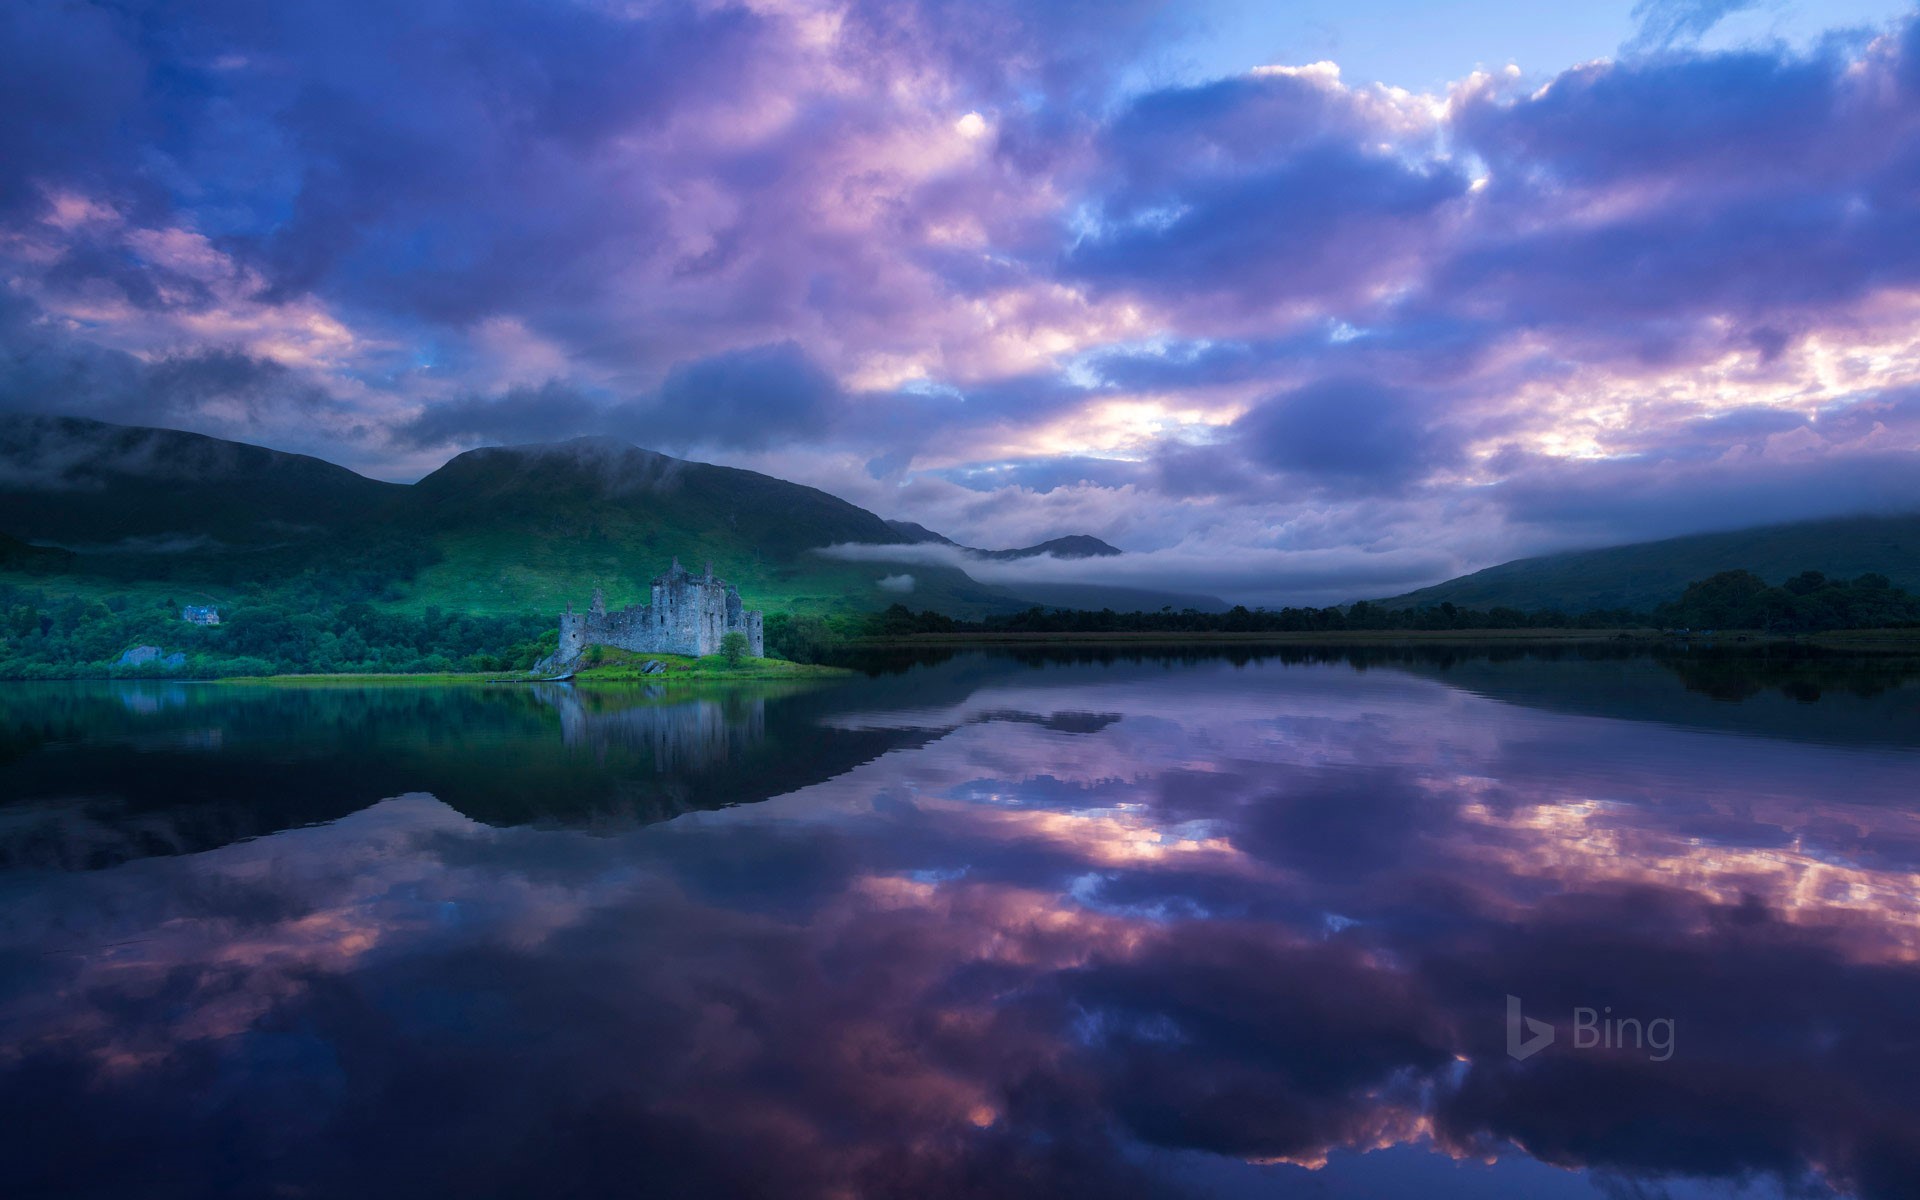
[689, 615]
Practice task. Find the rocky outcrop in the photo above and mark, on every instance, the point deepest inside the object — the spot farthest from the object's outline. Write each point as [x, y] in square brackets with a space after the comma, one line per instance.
[140, 656]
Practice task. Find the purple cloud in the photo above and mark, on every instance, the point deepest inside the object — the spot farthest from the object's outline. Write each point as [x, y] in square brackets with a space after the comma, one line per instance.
[1347, 432]
[964, 265]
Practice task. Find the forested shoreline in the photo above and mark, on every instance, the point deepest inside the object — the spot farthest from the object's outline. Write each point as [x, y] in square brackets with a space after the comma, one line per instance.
[308, 626]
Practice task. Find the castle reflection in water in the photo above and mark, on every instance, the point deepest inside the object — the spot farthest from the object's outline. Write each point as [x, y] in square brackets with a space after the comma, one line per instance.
[674, 733]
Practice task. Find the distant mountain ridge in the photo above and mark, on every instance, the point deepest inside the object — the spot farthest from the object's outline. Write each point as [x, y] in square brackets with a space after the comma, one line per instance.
[495, 529]
[1070, 595]
[1073, 545]
[73, 482]
[1644, 574]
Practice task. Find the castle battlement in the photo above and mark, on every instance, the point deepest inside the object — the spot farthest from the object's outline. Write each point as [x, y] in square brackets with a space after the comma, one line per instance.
[689, 615]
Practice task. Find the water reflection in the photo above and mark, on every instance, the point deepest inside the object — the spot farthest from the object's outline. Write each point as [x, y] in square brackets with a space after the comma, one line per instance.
[1126, 926]
[98, 774]
[675, 732]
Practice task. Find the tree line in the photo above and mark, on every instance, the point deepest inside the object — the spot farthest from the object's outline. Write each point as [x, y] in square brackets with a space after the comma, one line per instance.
[315, 625]
[294, 631]
[1809, 602]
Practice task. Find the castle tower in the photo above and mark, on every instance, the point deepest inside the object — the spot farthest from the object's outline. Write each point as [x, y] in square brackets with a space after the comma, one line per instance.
[690, 614]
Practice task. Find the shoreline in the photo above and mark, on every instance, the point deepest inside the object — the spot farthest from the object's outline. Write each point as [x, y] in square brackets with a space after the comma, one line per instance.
[679, 670]
[1303, 637]
[1895, 641]
[1868, 641]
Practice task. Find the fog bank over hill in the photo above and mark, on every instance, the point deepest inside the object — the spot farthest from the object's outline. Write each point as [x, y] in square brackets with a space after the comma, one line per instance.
[1269, 578]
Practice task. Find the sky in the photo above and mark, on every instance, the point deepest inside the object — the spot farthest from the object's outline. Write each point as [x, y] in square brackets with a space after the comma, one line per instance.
[1295, 303]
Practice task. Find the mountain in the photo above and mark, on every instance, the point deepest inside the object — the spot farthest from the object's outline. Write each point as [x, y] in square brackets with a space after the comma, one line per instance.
[504, 529]
[83, 484]
[1642, 575]
[16, 555]
[914, 533]
[1073, 545]
[540, 526]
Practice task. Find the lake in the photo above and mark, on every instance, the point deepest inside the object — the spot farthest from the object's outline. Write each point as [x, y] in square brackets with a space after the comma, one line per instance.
[1382, 922]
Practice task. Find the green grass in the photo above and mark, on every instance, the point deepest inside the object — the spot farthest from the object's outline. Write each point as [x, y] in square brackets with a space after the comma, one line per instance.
[625, 666]
[369, 679]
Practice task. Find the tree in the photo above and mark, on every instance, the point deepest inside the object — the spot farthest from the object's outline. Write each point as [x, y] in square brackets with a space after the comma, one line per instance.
[733, 648]
[1729, 600]
[1806, 583]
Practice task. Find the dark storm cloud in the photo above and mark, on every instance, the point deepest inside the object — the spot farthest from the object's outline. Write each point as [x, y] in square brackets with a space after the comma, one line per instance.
[1165, 139]
[745, 399]
[448, 158]
[1783, 192]
[72, 85]
[1318, 224]
[750, 398]
[1635, 499]
[1609, 122]
[44, 371]
[1348, 433]
[105, 264]
[516, 416]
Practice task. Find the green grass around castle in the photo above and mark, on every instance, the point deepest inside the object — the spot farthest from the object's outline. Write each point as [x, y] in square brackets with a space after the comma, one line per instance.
[607, 664]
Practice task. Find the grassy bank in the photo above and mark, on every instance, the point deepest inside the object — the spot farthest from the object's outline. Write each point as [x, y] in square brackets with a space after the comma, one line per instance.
[626, 666]
[370, 679]
[615, 667]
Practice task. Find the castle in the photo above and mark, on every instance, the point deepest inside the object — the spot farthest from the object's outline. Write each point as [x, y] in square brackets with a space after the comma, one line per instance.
[689, 615]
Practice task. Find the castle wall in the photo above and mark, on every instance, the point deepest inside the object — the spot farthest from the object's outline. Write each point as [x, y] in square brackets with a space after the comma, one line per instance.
[689, 615]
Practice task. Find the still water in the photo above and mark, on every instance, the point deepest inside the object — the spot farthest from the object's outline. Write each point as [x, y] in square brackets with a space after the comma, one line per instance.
[991, 925]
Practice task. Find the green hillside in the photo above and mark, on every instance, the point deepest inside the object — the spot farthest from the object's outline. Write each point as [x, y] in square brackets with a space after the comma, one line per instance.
[1646, 574]
[94, 510]
[538, 526]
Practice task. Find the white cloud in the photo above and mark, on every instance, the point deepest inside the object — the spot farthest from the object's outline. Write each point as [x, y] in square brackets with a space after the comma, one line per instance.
[1269, 577]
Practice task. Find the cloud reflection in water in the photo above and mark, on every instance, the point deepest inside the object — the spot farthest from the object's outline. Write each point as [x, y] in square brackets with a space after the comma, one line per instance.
[1104, 927]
